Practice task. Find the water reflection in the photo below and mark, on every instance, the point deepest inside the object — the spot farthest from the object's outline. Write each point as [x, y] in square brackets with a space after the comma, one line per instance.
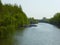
[43, 34]
[6, 41]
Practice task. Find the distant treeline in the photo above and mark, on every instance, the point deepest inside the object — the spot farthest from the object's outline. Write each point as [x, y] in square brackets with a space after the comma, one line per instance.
[55, 20]
[32, 20]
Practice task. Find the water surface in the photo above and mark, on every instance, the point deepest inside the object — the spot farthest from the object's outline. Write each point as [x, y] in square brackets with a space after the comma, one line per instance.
[43, 34]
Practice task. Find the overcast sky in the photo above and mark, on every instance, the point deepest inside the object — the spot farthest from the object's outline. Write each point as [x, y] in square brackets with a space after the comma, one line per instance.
[37, 8]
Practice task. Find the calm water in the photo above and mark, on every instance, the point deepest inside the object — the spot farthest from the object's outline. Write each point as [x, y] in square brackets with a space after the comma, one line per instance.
[43, 34]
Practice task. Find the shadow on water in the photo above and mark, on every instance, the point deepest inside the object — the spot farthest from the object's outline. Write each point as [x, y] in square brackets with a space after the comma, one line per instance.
[6, 41]
[18, 36]
[11, 39]
[43, 34]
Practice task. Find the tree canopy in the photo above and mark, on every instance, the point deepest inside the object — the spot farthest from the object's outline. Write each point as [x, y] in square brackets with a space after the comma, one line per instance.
[55, 20]
[11, 17]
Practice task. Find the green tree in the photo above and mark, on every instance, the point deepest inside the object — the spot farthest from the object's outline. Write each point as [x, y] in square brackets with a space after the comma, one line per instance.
[55, 20]
[11, 17]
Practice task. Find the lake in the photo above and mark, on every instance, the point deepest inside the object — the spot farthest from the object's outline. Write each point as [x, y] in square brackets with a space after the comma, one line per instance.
[43, 34]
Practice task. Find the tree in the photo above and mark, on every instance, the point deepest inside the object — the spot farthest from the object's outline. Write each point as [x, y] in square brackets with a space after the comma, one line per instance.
[0, 6]
[55, 20]
[11, 17]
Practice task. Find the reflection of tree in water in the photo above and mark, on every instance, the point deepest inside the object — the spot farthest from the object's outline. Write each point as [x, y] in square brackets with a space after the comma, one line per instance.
[6, 41]
[18, 36]
[5, 37]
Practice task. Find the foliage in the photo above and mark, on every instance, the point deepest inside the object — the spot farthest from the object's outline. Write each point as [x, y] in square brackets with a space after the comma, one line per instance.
[55, 20]
[11, 17]
[33, 21]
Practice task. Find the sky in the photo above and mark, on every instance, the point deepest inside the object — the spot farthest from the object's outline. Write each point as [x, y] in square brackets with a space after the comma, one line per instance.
[37, 8]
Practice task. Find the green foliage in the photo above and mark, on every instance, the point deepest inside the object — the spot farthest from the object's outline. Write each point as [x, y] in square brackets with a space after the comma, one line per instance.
[55, 20]
[11, 17]
[33, 21]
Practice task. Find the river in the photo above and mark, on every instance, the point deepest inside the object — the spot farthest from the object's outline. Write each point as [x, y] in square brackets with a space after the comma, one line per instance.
[43, 34]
